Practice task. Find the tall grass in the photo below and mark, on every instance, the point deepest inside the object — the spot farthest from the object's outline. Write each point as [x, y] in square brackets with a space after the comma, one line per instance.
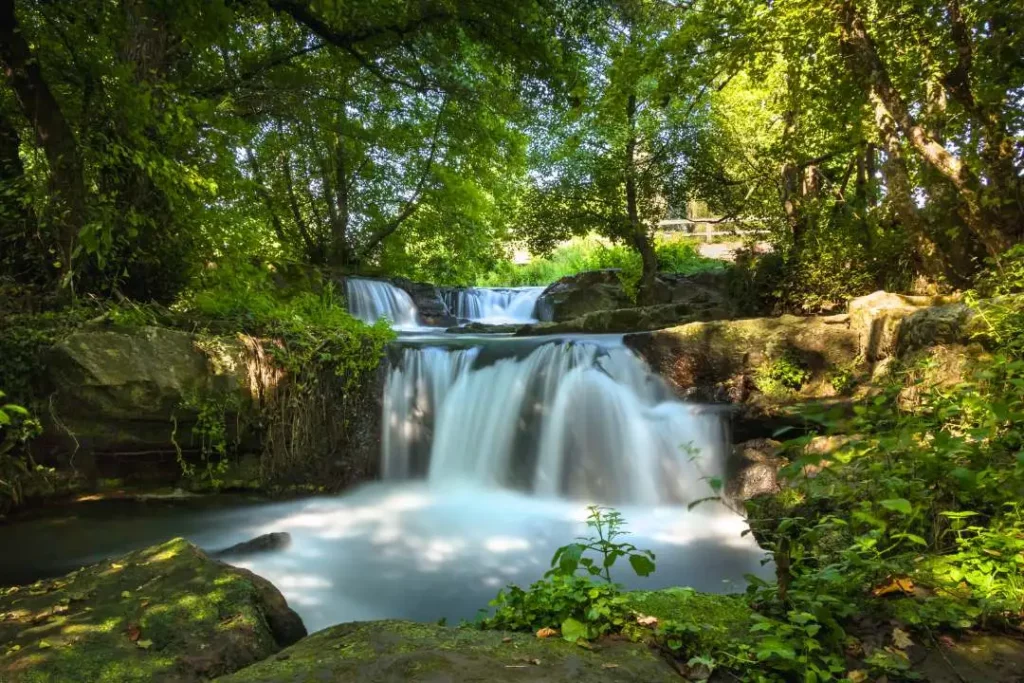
[591, 253]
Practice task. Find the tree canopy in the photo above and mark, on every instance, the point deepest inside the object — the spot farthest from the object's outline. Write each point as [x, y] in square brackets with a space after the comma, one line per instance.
[874, 140]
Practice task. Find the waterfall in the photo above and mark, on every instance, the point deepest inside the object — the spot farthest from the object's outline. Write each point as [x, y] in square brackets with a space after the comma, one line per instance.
[371, 300]
[581, 420]
[492, 305]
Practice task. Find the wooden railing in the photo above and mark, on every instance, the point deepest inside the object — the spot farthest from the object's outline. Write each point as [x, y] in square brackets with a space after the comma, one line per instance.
[706, 229]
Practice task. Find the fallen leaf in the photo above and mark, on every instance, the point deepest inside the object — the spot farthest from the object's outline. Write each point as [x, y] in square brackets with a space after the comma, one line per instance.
[857, 676]
[584, 644]
[901, 639]
[609, 665]
[650, 622]
[947, 641]
[547, 632]
[506, 640]
[145, 644]
[134, 632]
[894, 585]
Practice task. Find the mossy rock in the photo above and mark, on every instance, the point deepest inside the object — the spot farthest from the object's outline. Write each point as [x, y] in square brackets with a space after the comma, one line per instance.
[386, 651]
[166, 613]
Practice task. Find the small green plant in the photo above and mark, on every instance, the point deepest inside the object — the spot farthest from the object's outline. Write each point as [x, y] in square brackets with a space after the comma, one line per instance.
[844, 378]
[608, 526]
[579, 606]
[211, 429]
[779, 377]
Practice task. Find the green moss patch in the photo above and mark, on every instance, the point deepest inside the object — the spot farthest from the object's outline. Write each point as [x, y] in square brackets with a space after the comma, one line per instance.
[166, 613]
[385, 651]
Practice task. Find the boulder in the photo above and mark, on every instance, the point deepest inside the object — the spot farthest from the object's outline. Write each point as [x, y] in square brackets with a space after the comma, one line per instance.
[166, 613]
[576, 295]
[399, 651]
[753, 469]
[877, 319]
[275, 540]
[117, 390]
[429, 302]
[713, 361]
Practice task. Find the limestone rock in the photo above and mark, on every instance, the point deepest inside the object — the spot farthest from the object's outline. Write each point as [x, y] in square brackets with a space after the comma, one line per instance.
[166, 613]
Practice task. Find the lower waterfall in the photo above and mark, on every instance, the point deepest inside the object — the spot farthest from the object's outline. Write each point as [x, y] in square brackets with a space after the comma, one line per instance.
[578, 419]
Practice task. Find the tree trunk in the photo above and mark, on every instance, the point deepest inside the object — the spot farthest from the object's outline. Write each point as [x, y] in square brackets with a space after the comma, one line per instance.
[897, 179]
[639, 237]
[867, 67]
[53, 133]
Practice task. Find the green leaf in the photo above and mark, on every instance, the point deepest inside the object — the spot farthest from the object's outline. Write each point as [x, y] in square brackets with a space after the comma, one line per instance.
[641, 565]
[900, 505]
[573, 630]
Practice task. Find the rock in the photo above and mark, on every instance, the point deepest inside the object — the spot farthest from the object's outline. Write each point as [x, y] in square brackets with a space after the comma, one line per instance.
[576, 295]
[275, 540]
[877, 317]
[429, 302]
[625, 320]
[385, 651]
[484, 328]
[117, 389]
[712, 361]
[753, 469]
[166, 613]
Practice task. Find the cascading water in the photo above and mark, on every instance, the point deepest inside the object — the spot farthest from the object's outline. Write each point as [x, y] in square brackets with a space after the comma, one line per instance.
[580, 419]
[371, 300]
[494, 305]
[491, 450]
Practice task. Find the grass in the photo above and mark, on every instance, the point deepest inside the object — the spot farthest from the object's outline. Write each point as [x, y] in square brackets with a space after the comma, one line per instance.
[675, 255]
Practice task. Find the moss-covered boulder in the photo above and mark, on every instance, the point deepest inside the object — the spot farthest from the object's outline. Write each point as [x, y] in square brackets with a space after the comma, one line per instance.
[166, 613]
[399, 651]
[118, 389]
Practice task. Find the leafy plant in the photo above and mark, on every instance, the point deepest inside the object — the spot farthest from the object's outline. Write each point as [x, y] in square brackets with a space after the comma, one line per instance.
[580, 607]
[781, 376]
[608, 526]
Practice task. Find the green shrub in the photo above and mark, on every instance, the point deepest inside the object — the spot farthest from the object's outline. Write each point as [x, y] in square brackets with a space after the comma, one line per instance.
[779, 377]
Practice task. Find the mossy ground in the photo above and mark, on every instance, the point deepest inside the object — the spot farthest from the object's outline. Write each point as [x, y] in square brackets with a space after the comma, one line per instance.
[167, 613]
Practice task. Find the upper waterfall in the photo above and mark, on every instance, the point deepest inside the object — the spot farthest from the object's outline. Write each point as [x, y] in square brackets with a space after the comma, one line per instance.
[370, 300]
[494, 305]
[575, 419]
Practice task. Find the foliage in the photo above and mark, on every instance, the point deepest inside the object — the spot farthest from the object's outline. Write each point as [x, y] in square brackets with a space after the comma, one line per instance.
[576, 604]
[779, 377]
[592, 253]
[608, 525]
[17, 428]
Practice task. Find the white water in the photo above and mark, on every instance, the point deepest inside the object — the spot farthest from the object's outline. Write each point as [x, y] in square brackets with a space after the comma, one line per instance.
[494, 305]
[371, 300]
[580, 420]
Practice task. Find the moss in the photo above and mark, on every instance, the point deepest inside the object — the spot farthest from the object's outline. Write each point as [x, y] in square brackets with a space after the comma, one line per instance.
[405, 651]
[160, 613]
[716, 619]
